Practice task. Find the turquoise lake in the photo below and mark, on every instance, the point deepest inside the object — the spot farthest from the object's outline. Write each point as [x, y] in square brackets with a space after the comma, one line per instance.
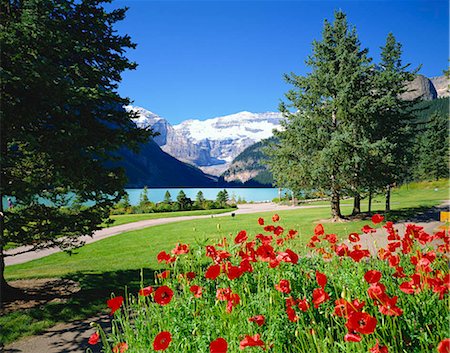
[248, 194]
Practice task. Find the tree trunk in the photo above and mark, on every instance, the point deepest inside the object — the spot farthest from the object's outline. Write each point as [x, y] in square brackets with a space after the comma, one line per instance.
[335, 201]
[370, 202]
[388, 198]
[356, 205]
[3, 284]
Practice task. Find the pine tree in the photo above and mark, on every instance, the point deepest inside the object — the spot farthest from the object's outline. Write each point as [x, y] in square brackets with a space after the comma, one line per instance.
[393, 125]
[167, 197]
[183, 200]
[434, 148]
[143, 198]
[61, 120]
[320, 144]
[199, 198]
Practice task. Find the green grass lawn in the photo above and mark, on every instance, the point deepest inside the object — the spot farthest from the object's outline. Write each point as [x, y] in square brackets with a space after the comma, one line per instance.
[129, 218]
[113, 263]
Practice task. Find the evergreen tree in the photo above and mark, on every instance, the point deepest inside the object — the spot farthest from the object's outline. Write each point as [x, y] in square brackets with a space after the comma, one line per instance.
[393, 124]
[183, 201]
[199, 198]
[434, 149]
[143, 198]
[126, 200]
[167, 197]
[322, 142]
[61, 118]
[222, 197]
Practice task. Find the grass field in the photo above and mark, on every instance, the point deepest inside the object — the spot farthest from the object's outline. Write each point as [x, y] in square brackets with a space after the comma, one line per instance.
[129, 218]
[111, 264]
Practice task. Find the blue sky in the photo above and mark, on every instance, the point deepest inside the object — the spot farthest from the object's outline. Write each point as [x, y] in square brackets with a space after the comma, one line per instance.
[200, 59]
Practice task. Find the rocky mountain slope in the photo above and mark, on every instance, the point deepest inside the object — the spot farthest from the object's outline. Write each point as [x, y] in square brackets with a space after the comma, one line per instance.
[210, 144]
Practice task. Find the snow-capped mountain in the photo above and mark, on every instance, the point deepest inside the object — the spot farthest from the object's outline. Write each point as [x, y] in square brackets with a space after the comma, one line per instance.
[210, 144]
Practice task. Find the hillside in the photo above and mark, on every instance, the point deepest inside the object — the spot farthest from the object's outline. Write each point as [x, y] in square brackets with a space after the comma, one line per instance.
[153, 167]
[248, 167]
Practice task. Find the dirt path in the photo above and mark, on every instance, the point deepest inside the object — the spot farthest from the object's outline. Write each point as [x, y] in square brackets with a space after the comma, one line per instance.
[111, 231]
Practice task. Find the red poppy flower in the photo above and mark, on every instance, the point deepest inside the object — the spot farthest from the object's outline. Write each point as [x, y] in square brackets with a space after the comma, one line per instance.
[368, 229]
[120, 347]
[114, 304]
[223, 293]
[413, 286]
[303, 304]
[321, 279]
[444, 346]
[241, 237]
[389, 307]
[180, 249]
[219, 345]
[343, 308]
[165, 257]
[394, 260]
[361, 322]
[372, 276]
[332, 238]
[357, 254]
[376, 291]
[233, 301]
[319, 297]
[146, 291]
[354, 237]
[163, 275]
[275, 218]
[265, 253]
[318, 231]
[190, 275]
[278, 231]
[378, 349]
[163, 295]
[377, 218]
[162, 341]
[212, 272]
[196, 290]
[341, 250]
[251, 341]
[94, 338]
[352, 337]
[291, 314]
[233, 272]
[284, 286]
[261, 221]
[258, 319]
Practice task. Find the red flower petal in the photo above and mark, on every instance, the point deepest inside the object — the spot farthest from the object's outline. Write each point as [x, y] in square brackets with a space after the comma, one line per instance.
[275, 218]
[319, 230]
[120, 347]
[114, 304]
[163, 295]
[258, 319]
[196, 290]
[241, 237]
[261, 221]
[146, 291]
[212, 272]
[372, 276]
[94, 338]
[162, 341]
[219, 345]
[321, 279]
[377, 218]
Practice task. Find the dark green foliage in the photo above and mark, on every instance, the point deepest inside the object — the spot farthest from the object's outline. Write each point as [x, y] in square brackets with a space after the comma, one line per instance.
[222, 197]
[60, 119]
[432, 148]
[167, 197]
[323, 144]
[184, 203]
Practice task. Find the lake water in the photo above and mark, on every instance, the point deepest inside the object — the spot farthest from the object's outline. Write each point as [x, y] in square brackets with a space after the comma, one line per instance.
[247, 194]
